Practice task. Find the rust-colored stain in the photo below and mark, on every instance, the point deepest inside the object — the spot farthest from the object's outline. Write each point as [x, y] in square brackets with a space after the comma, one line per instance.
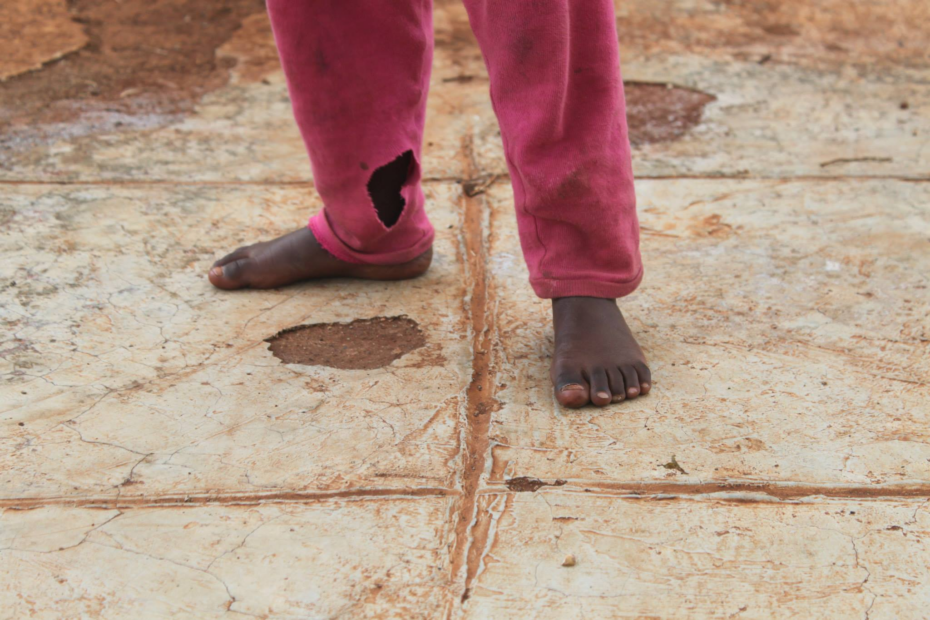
[711, 226]
[525, 484]
[662, 112]
[364, 344]
[147, 59]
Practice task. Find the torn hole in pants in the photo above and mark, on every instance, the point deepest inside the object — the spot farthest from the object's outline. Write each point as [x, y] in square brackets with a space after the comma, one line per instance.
[385, 185]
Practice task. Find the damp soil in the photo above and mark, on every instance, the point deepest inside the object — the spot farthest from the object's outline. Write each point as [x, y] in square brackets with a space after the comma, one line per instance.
[143, 59]
[662, 112]
[870, 35]
[364, 344]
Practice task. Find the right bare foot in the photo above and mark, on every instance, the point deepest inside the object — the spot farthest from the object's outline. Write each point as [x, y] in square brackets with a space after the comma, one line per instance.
[298, 256]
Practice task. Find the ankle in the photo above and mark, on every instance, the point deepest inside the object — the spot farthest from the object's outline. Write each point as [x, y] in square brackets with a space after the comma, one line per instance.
[568, 303]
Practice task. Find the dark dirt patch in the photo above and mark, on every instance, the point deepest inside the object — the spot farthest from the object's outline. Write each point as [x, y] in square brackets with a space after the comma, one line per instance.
[662, 113]
[144, 59]
[253, 50]
[524, 484]
[360, 345]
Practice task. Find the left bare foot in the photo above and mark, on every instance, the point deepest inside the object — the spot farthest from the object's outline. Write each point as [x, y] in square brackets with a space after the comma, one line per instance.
[597, 359]
[298, 256]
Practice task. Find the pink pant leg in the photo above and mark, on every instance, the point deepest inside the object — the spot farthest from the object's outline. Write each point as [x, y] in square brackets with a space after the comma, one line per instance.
[555, 84]
[358, 76]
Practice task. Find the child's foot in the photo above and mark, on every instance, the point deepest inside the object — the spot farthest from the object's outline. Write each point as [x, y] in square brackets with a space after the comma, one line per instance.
[597, 359]
[298, 256]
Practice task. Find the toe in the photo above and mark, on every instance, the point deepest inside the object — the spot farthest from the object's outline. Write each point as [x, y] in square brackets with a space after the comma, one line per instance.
[617, 385]
[231, 275]
[234, 255]
[631, 380]
[600, 387]
[571, 390]
[645, 378]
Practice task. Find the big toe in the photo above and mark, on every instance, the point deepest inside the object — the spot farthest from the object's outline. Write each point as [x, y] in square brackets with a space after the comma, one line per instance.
[572, 391]
[231, 275]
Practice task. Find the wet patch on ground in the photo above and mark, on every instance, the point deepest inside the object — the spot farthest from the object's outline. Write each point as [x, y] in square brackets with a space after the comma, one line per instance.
[144, 64]
[364, 344]
[662, 112]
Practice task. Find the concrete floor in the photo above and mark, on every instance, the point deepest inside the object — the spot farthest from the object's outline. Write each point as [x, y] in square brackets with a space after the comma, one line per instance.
[157, 460]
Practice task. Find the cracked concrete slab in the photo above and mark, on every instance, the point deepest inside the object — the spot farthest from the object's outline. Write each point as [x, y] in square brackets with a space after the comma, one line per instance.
[125, 373]
[373, 558]
[157, 458]
[704, 559]
[787, 329]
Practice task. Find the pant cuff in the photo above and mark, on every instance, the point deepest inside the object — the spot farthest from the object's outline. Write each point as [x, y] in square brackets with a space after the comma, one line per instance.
[327, 238]
[551, 289]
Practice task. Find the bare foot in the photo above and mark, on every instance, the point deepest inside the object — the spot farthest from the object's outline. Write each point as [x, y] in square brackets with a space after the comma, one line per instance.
[597, 359]
[298, 256]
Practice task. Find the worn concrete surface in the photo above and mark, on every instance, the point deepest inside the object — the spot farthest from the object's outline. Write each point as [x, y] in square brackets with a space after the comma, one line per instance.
[158, 460]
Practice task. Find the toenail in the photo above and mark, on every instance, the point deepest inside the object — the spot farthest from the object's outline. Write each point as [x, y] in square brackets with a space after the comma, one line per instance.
[617, 398]
[646, 386]
[571, 387]
[216, 271]
[633, 391]
[603, 395]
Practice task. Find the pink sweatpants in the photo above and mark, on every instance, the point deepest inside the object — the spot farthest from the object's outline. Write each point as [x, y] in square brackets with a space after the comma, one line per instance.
[358, 74]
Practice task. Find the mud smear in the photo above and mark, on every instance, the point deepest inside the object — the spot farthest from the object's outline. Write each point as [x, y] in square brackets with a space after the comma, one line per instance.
[524, 484]
[360, 345]
[144, 64]
[662, 113]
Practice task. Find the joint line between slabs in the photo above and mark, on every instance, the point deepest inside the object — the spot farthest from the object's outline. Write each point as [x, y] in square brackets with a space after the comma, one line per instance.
[727, 490]
[193, 500]
[309, 184]
[470, 538]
